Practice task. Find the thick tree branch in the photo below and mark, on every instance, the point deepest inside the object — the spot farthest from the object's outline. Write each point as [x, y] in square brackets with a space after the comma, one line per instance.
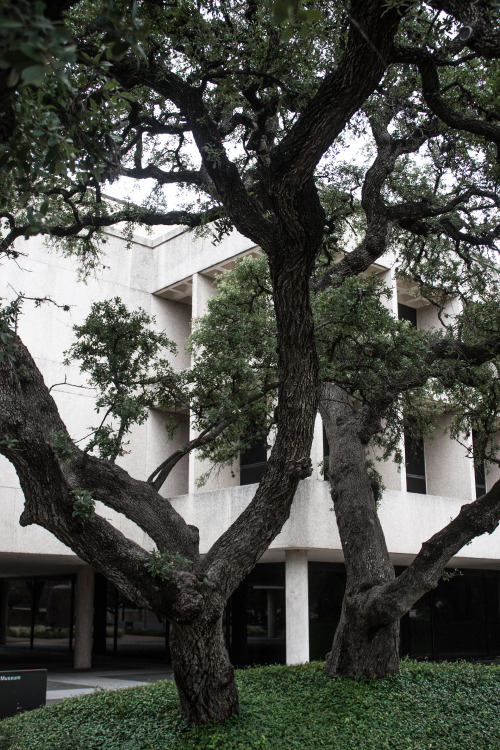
[486, 239]
[7, 242]
[145, 123]
[482, 34]
[244, 213]
[163, 177]
[431, 90]
[340, 94]
[29, 417]
[424, 209]
[432, 364]
[379, 221]
[137, 215]
[393, 599]
[92, 221]
[237, 550]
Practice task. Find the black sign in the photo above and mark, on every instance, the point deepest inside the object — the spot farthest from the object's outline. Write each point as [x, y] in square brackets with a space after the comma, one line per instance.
[22, 690]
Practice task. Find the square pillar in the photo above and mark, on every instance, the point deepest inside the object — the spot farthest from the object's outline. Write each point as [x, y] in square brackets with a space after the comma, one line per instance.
[297, 607]
[84, 618]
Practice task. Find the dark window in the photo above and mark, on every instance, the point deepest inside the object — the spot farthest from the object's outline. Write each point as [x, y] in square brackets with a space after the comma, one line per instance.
[415, 462]
[458, 619]
[408, 313]
[480, 476]
[326, 456]
[326, 591]
[255, 619]
[479, 470]
[253, 463]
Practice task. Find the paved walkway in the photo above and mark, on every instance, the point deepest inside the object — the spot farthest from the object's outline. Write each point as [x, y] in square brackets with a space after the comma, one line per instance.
[69, 684]
[110, 671]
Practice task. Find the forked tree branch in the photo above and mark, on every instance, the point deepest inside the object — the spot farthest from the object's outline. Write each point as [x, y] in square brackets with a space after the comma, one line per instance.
[29, 416]
[392, 600]
[431, 89]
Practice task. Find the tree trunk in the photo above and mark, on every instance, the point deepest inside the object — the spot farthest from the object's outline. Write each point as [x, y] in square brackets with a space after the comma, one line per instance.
[366, 642]
[203, 673]
[362, 646]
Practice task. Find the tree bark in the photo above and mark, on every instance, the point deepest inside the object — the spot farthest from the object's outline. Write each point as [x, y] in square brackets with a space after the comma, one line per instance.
[192, 599]
[366, 642]
[361, 645]
[360, 648]
[203, 673]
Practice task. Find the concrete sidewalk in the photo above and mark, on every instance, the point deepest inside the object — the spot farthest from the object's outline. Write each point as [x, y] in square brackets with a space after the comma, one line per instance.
[70, 684]
[111, 671]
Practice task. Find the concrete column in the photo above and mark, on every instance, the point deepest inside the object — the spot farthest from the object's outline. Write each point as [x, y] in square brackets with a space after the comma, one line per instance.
[84, 616]
[4, 610]
[297, 607]
[317, 452]
[393, 475]
[100, 613]
[203, 290]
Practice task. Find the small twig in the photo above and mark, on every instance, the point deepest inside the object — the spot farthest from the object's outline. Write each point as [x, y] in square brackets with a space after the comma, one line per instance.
[40, 300]
[72, 385]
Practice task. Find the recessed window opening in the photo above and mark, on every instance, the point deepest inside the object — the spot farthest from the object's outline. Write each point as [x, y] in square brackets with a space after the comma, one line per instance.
[253, 462]
[479, 469]
[408, 313]
[326, 456]
[415, 462]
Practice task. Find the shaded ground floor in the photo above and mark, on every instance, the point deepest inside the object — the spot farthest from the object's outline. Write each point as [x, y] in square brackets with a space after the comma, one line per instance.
[283, 611]
[107, 673]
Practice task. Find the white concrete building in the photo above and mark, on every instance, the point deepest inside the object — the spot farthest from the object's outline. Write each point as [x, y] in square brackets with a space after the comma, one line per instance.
[294, 594]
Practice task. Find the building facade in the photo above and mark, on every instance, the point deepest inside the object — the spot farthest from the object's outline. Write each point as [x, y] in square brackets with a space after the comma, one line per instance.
[288, 607]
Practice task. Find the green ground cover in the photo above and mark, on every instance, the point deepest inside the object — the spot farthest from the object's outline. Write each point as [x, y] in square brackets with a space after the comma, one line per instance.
[444, 706]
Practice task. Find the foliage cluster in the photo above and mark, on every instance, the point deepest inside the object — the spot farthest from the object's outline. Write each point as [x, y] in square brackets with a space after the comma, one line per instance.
[8, 323]
[160, 563]
[61, 444]
[428, 705]
[40, 125]
[381, 361]
[84, 505]
[233, 348]
[124, 360]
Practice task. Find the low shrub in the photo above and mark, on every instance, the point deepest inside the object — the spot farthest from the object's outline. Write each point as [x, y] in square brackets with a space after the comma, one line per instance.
[110, 632]
[19, 631]
[40, 631]
[428, 706]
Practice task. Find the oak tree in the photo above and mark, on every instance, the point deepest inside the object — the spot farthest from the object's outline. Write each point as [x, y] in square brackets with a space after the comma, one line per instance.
[252, 108]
